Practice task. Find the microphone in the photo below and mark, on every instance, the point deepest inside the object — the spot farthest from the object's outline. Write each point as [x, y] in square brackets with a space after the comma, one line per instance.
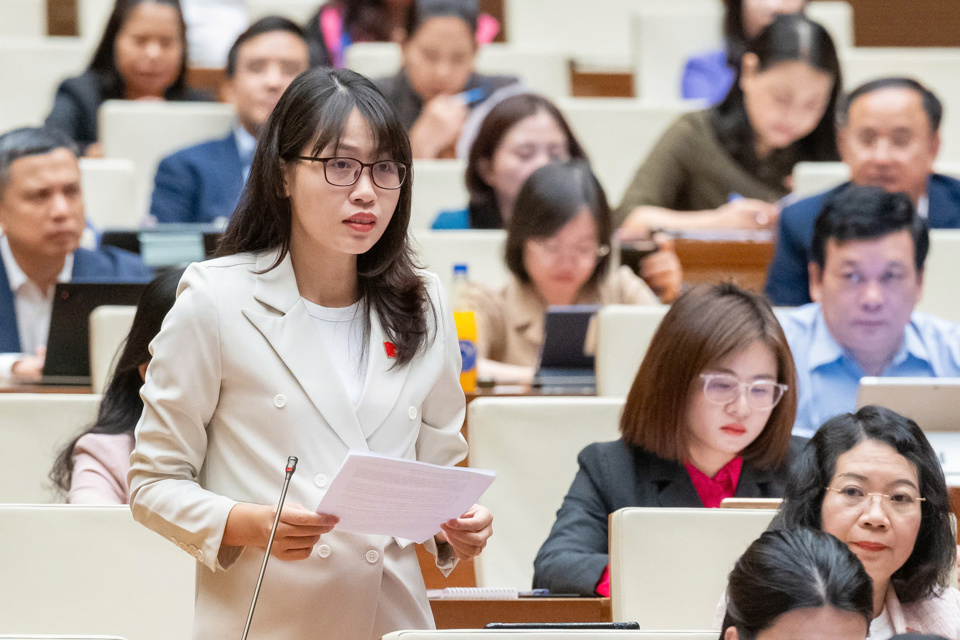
[291, 467]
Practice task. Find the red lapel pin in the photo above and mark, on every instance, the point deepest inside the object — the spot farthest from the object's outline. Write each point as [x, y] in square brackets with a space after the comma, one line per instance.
[391, 349]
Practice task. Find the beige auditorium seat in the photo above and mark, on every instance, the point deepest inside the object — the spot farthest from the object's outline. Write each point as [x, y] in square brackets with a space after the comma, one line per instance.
[656, 554]
[297, 10]
[533, 443]
[146, 132]
[23, 18]
[92, 16]
[438, 185]
[937, 68]
[51, 61]
[33, 429]
[480, 250]
[811, 178]
[109, 192]
[618, 133]
[624, 333]
[84, 569]
[109, 326]
[940, 275]
[548, 634]
[543, 71]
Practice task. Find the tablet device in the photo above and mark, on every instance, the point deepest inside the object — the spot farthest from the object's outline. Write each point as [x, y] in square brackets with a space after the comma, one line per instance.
[750, 503]
[564, 358]
[167, 245]
[930, 402]
[68, 342]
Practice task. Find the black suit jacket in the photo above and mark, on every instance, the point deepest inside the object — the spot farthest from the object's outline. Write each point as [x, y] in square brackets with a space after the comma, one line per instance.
[614, 475]
[76, 104]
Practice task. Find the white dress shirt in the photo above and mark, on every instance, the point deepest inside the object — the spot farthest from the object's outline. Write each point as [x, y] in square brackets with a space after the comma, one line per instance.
[32, 305]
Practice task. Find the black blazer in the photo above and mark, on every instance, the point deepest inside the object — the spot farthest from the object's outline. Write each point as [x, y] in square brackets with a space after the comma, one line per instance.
[614, 475]
[77, 101]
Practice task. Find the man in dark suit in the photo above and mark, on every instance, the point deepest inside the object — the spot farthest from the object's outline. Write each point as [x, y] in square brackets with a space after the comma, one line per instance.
[42, 218]
[889, 137]
[202, 183]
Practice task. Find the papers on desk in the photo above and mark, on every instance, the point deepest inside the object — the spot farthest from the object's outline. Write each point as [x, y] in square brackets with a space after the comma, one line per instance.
[377, 495]
[724, 235]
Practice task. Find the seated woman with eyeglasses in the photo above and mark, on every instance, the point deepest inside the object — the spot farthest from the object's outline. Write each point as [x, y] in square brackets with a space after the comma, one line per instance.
[557, 253]
[708, 417]
[872, 479]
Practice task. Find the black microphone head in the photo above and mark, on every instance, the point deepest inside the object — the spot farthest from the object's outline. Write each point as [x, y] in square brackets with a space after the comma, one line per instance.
[291, 464]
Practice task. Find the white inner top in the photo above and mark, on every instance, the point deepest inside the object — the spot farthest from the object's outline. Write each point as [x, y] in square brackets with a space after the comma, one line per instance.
[341, 330]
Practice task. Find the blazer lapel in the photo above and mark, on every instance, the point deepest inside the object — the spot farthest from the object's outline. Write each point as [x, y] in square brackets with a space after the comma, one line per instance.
[9, 333]
[670, 480]
[383, 383]
[754, 483]
[291, 334]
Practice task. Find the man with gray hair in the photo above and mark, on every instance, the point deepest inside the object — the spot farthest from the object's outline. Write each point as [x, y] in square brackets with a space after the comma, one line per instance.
[41, 221]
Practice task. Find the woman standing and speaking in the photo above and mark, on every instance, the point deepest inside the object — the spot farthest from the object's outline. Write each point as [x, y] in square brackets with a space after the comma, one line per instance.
[313, 335]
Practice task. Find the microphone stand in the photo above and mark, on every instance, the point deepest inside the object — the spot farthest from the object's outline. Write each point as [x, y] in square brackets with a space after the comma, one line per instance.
[291, 467]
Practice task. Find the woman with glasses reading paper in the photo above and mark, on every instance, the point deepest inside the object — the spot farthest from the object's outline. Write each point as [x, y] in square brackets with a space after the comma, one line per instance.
[312, 335]
[558, 254]
[872, 479]
[708, 417]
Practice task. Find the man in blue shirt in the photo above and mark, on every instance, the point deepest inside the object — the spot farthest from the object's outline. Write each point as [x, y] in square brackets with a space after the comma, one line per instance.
[42, 219]
[889, 137]
[866, 276]
[202, 183]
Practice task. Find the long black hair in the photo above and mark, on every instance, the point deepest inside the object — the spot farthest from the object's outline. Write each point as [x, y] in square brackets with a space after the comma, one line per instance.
[935, 551]
[788, 38]
[121, 406]
[312, 113]
[782, 571]
[103, 65]
[734, 33]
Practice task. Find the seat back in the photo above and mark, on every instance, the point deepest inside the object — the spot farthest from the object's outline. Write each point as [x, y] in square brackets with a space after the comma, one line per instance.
[297, 10]
[549, 634]
[624, 333]
[58, 636]
[480, 250]
[544, 71]
[34, 428]
[110, 192]
[656, 554]
[618, 133]
[559, 25]
[84, 569]
[23, 18]
[35, 66]
[172, 126]
[811, 178]
[940, 275]
[109, 327]
[438, 185]
[533, 443]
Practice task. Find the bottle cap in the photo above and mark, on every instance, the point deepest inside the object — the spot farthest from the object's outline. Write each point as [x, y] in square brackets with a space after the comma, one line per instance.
[459, 269]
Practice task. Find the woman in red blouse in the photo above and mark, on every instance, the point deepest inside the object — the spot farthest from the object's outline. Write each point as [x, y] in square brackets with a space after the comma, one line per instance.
[708, 417]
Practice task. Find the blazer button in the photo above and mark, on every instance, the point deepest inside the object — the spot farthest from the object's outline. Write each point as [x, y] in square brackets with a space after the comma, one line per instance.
[279, 401]
[323, 551]
[412, 412]
[200, 555]
[320, 480]
[372, 556]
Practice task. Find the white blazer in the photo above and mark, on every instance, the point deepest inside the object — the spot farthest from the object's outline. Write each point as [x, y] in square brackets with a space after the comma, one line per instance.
[239, 381]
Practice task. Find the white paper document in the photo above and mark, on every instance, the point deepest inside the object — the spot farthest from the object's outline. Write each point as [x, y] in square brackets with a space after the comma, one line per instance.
[378, 495]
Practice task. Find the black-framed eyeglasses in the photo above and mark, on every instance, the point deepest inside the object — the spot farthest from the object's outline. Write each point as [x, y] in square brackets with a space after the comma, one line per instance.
[341, 171]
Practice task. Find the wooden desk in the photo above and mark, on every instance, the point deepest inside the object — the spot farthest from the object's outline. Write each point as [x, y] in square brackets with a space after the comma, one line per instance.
[475, 614]
[8, 386]
[745, 263]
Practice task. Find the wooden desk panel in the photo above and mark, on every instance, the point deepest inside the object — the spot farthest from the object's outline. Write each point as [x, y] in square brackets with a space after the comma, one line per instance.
[475, 614]
[745, 263]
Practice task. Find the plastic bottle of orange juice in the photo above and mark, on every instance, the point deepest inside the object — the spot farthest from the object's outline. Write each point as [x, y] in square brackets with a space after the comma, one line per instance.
[466, 328]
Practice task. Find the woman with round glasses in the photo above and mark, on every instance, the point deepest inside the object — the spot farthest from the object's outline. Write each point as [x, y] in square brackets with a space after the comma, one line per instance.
[708, 417]
[311, 335]
[871, 479]
[557, 254]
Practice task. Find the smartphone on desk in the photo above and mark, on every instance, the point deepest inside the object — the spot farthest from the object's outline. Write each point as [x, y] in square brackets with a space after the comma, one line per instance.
[576, 626]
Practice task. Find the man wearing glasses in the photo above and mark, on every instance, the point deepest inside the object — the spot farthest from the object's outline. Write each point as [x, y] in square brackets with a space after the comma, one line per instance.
[866, 276]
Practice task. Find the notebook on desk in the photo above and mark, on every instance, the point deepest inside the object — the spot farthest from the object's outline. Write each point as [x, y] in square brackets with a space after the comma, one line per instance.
[931, 403]
[68, 342]
[564, 358]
